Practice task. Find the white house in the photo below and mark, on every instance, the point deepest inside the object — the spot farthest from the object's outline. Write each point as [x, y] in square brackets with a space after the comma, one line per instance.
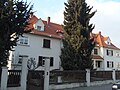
[44, 41]
[106, 55]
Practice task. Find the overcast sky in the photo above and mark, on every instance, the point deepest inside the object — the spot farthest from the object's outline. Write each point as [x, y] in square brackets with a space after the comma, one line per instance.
[106, 20]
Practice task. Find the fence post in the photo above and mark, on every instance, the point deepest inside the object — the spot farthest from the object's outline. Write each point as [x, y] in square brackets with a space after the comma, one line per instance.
[114, 76]
[46, 74]
[24, 73]
[59, 79]
[4, 78]
[88, 77]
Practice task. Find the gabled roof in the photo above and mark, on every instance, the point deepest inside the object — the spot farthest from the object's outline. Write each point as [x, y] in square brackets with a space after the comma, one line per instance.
[50, 29]
[54, 30]
[100, 41]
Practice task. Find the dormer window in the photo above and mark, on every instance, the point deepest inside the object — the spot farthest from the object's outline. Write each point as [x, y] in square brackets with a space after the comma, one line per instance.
[38, 27]
[108, 43]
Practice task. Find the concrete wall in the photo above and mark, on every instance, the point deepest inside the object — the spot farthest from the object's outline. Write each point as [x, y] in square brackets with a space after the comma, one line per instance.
[75, 85]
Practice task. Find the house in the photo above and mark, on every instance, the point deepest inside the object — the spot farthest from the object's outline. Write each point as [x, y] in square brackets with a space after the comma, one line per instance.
[44, 41]
[106, 55]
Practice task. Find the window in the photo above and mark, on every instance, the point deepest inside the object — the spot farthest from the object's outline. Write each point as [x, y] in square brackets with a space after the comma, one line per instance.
[41, 61]
[110, 52]
[117, 54]
[23, 40]
[110, 64]
[118, 65]
[38, 27]
[46, 43]
[98, 64]
[20, 59]
[108, 43]
[95, 51]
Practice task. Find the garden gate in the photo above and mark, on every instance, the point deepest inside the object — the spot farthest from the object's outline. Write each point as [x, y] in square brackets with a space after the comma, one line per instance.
[35, 80]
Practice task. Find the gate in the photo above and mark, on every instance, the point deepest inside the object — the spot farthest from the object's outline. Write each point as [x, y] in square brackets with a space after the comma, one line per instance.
[35, 80]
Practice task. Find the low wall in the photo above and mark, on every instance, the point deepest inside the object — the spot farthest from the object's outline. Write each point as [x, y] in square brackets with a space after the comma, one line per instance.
[14, 88]
[75, 85]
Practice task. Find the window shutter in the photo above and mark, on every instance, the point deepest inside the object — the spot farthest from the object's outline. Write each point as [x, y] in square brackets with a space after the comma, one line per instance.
[112, 52]
[108, 64]
[51, 61]
[40, 61]
[107, 52]
[112, 64]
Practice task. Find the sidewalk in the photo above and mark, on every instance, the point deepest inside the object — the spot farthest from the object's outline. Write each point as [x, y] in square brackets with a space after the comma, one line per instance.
[99, 87]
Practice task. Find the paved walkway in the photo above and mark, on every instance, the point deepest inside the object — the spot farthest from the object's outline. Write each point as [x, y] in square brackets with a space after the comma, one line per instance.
[99, 87]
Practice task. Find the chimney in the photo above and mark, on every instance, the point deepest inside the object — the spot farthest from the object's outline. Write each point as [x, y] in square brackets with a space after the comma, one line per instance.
[48, 20]
[100, 32]
[31, 14]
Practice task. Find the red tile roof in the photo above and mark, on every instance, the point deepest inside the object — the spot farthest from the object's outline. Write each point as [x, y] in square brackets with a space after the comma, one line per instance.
[50, 30]
[100, 41]
[53, 30]
[97, 57]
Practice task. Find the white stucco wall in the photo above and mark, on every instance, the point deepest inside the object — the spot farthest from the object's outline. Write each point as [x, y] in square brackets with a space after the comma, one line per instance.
[113, 58]
[35, 49]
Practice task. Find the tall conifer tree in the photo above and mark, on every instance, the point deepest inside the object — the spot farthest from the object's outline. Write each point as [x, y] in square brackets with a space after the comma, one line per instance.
[14, 16]
[77, 43]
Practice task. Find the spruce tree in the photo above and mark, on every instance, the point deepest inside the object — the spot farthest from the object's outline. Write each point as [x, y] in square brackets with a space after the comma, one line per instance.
[77, 43]
[13, 21]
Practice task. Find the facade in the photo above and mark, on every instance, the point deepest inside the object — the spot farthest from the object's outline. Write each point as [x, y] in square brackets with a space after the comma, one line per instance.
[106, 55]
[45, 41]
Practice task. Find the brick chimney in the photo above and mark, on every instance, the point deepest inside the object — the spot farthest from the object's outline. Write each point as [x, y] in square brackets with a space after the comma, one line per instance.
[100, 32]
[48, 20]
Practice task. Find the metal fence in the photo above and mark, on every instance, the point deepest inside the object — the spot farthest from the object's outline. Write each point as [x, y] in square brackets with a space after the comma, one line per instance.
[117, 75]
[57, 77]
[100, 75]
[14, 78]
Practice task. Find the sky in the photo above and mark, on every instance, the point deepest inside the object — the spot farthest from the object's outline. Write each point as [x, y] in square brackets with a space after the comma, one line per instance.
[106, 19]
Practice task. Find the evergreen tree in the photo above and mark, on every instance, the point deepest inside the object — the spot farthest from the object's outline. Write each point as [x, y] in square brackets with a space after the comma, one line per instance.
[13, 21]
[77, 43]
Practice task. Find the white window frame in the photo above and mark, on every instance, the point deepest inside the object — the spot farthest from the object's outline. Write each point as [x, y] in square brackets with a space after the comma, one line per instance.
[39, 27]
[43, 61]
[48, 42]
[118, 64]
[111, 64]
[96, 51]
[20, 59]
[23, 40]
[98, 63]
[117, 54]
[109, 52]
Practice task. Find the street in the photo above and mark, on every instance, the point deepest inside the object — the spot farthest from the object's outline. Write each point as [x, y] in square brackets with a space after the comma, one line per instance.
[99, 87]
